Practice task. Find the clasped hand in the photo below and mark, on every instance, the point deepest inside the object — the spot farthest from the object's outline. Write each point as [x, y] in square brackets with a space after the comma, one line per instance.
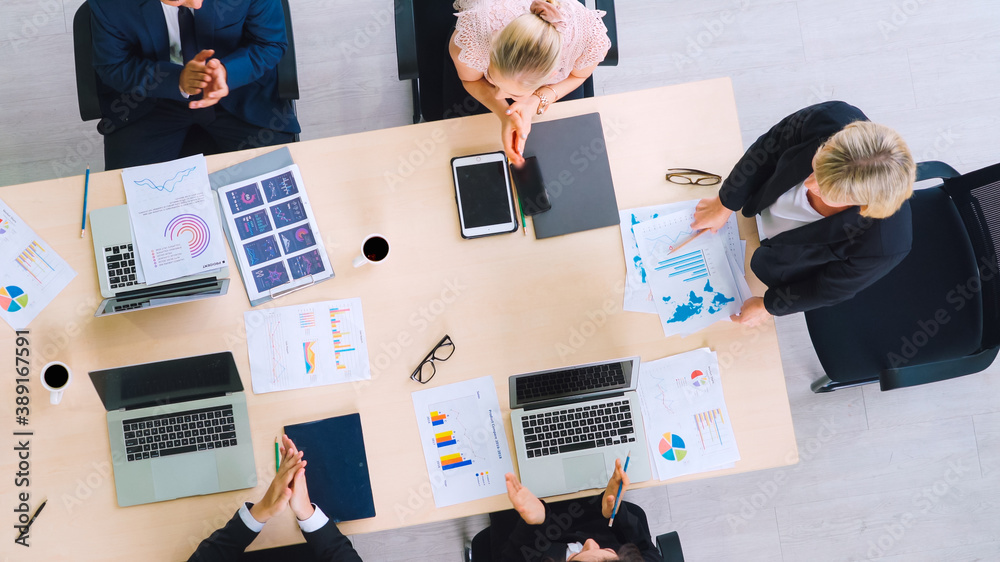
[204, 75]
[288, 487]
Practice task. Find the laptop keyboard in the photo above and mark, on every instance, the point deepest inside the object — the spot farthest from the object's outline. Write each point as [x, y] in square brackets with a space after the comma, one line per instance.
[578, 427]
[120, 265]
[571, 381]
[181, 432]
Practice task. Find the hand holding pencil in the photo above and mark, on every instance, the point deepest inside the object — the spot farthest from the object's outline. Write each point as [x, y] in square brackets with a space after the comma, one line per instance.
[617, 485]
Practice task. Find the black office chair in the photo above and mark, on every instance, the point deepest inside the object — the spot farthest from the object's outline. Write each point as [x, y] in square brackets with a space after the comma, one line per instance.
[935, 316]
[421, 51]
[669, 544]
[88, 83]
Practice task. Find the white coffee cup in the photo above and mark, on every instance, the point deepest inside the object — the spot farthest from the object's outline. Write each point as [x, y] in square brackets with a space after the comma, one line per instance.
[56, 376]
[374, 249]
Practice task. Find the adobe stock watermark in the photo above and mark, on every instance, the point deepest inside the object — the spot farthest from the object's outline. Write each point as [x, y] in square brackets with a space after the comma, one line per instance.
[758, 501]
[700, 42]
[899, 16]
[923, 502]
[49, 11]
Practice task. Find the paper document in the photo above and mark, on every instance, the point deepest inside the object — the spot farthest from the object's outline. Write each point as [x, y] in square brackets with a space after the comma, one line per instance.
[274, 232]
[465, 446]
[174, 220]
[638, 297]
[688, 428]
[307, 345]
[31, 274]
[693, 287]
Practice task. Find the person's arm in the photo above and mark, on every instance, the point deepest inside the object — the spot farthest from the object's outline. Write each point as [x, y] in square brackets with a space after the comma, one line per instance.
[118, 65]
[229, 542]
[325, 539]
[836, 282]
[536, 517]
[264, 44]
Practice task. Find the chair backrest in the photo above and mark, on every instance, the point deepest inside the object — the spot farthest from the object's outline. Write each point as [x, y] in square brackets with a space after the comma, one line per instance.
[86, 78]
[977, 197]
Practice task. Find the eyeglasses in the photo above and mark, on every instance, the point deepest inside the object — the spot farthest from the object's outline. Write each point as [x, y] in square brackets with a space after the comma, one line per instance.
[441, 352]
[688, 176]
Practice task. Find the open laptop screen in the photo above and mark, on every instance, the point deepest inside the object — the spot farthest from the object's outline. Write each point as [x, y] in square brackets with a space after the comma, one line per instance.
[167, 382]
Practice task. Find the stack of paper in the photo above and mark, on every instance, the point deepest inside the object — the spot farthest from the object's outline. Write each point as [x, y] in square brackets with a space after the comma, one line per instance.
[688, 428]
[174, 221]
[691, 288]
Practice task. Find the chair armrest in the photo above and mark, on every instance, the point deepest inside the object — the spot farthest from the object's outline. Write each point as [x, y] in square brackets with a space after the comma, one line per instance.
[934, 169]
[611, 22]
[670, 547]
[288, 70]
[86, 76]
[406, 40]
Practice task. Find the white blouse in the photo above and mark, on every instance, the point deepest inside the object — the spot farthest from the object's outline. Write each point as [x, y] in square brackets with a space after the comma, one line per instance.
[790, 211]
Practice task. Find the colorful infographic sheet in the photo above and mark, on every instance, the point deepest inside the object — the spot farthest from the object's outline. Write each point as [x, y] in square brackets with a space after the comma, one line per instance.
[465, 446]
[174, 221]
[307, 345]
[694, 286]
[278, 245]
[688, 429]
[32, 273]
[638, 296]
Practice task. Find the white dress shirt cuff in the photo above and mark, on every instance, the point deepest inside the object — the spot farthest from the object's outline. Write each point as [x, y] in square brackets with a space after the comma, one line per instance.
[248, 519]
[186, 95]
[315, 521]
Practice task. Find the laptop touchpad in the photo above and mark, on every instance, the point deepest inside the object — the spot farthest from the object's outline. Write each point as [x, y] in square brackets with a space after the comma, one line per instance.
[585, 472]
[179, 476]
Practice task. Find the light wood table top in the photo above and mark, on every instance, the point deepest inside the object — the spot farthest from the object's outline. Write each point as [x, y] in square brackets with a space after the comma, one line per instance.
[511, 303]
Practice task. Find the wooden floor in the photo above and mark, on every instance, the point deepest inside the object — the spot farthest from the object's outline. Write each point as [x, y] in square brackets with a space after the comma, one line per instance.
[909, 475]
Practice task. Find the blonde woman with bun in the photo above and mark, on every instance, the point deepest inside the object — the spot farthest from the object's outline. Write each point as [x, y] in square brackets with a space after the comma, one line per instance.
[829, 191]
[532, 52]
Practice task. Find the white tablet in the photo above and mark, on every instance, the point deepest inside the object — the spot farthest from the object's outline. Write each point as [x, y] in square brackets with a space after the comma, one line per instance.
[483, 193]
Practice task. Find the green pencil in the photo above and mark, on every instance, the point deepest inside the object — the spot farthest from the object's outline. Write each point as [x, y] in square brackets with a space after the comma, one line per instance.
[520, 206]
[277, 456]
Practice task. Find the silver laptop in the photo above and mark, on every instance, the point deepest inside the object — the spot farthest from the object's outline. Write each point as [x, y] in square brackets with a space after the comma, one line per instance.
[120, 277]
[571, 424]
[177, 428]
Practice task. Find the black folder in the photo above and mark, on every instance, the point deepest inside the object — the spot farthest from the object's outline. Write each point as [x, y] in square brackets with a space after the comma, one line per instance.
[337, 468]
[573, 157]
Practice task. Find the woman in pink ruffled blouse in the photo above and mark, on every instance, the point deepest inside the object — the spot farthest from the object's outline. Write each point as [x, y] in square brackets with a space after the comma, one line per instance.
[533, 52]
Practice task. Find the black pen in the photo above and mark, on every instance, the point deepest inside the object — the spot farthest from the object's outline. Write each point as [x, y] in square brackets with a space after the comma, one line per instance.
[32, 520]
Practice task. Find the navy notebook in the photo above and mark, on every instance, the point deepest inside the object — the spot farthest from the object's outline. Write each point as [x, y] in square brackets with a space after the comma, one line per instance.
[337, 468]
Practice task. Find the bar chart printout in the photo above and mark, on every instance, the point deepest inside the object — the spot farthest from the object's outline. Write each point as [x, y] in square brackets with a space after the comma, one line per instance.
[462, 433]
[693, 286]
[307, 345]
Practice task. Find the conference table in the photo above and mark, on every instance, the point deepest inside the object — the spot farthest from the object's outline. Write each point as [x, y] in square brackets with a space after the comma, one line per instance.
[511, 303]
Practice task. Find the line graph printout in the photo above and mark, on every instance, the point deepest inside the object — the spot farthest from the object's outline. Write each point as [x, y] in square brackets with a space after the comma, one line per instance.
[638, 296]
[688, 429]
[307, 345]
[694, 287]
[31, 272]
[174, 220]
[462, 433]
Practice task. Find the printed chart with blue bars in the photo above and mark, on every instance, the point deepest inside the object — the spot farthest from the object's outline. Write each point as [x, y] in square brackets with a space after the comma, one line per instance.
[693, 281]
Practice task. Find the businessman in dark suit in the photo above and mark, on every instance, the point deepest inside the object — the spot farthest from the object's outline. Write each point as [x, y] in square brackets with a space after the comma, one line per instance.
[169, 66]
[288, 489]
[829, 190]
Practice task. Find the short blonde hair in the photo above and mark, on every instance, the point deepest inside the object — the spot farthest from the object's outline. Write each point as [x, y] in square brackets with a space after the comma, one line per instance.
[526, 50]
[866, 164]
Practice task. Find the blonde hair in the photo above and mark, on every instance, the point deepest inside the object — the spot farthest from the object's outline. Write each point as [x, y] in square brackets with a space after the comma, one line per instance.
[526, 51]
[866, 164]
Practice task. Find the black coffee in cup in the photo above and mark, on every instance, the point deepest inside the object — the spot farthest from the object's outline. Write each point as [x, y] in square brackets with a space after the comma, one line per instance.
[56, 376]
[376, 248]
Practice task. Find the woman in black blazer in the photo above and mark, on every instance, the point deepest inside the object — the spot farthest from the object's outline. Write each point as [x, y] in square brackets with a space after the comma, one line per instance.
[831, 191]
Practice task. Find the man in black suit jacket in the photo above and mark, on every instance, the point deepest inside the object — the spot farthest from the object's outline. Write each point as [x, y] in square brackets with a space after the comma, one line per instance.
[287, 489]
[845, 181]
